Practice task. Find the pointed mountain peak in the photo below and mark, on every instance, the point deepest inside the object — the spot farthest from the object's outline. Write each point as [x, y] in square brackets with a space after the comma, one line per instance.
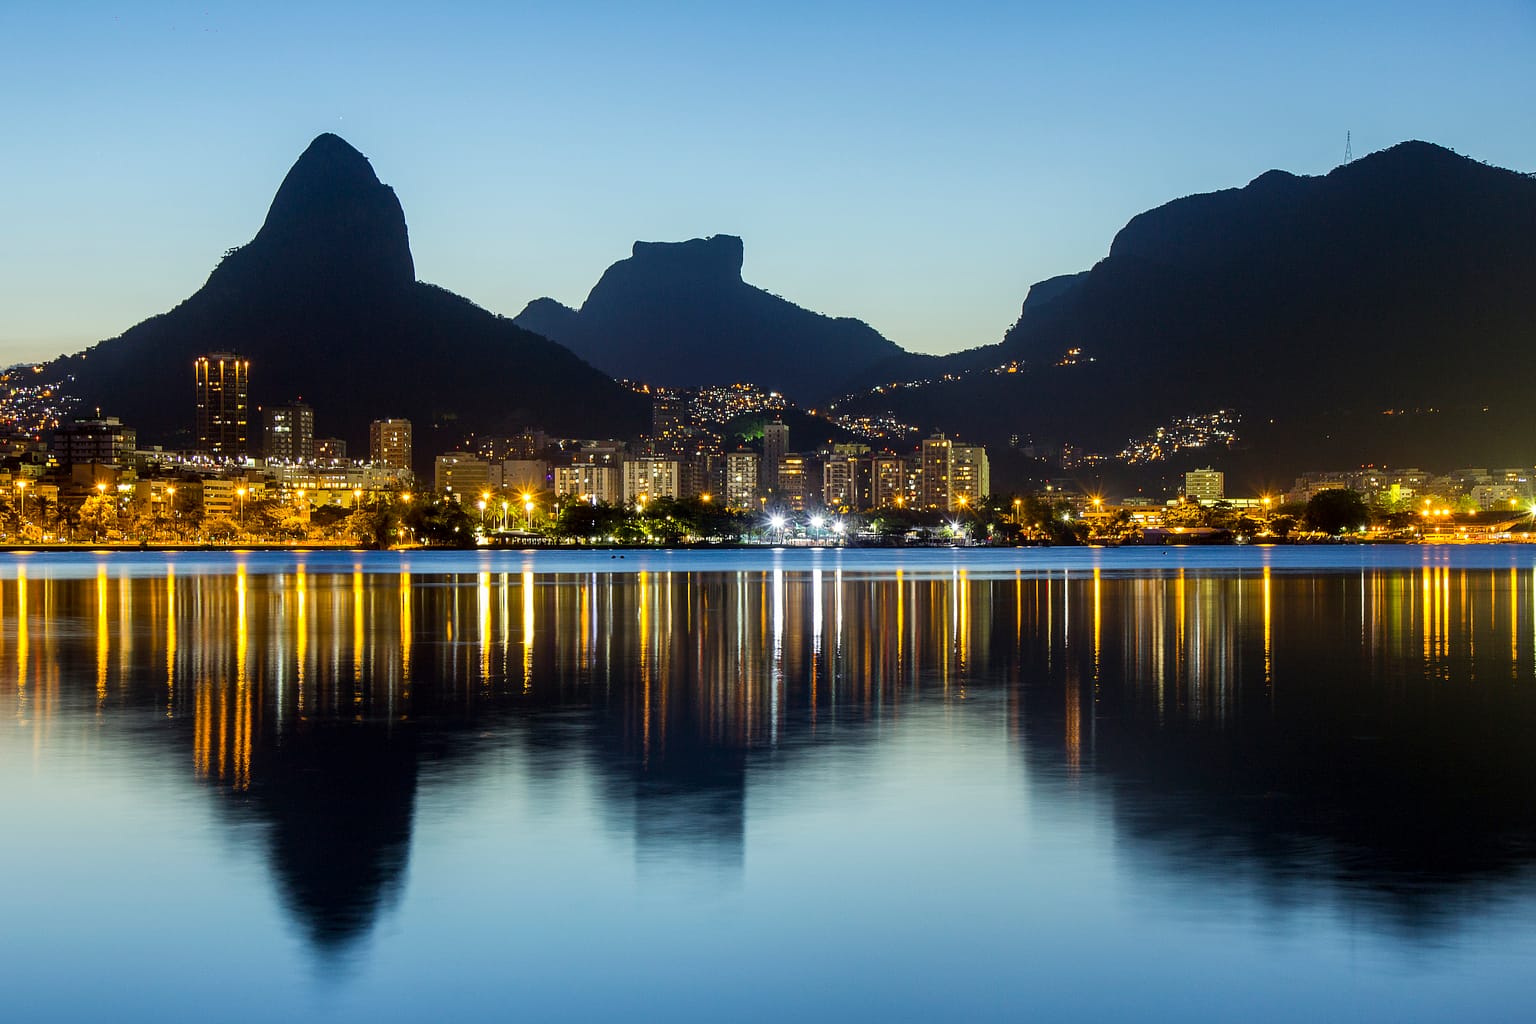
[332, 222]
[327, 169]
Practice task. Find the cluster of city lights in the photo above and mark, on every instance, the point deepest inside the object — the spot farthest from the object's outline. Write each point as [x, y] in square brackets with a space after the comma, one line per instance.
[1198, 431]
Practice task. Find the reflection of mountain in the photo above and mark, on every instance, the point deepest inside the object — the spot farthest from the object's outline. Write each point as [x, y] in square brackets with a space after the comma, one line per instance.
[1359, 738]
[338, 799]
[1356, 737]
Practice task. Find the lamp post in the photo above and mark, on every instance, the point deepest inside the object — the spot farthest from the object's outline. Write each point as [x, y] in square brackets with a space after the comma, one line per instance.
[21, 502]
[240, 493]
[527, 512]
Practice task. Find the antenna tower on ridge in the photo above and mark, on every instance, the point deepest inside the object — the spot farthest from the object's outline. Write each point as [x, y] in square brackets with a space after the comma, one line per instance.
[1349, 148]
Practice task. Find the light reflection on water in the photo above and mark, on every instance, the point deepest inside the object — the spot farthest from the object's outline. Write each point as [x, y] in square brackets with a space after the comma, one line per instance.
[933, 784]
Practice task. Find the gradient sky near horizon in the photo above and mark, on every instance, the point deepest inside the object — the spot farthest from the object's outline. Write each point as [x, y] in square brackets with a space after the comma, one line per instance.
[916, 166]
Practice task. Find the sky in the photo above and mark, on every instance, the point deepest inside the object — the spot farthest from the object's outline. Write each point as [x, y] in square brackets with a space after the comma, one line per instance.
[915, 166]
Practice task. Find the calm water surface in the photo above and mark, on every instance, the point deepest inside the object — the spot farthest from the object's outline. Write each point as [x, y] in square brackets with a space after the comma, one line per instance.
[1230, 784]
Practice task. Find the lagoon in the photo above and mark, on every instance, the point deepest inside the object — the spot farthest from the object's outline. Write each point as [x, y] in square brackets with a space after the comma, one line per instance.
[1215, 783]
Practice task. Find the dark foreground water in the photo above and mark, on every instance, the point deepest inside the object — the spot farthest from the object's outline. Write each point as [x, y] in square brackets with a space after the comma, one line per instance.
[1083, 785]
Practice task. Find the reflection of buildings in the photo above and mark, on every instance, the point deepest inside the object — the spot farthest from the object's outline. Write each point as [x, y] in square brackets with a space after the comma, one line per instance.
[1336, 734]
[1336, 712]
[310, 699]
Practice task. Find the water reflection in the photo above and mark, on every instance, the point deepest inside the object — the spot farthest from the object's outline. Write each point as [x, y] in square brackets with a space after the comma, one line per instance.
[1357, 734]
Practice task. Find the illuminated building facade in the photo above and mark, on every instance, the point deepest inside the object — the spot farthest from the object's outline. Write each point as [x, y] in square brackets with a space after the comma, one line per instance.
[330, 448]
[794, 483]
[461, 473]
[887, 481]
[650, 479]
[1206, 486]
[288, 432]
[105, 441]
[937, 455]
[389, 444]
[970, 476]
[223, 402]
[590, 482]
[741, 479]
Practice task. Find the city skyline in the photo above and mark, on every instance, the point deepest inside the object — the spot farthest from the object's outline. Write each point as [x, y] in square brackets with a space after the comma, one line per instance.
[1005, 148]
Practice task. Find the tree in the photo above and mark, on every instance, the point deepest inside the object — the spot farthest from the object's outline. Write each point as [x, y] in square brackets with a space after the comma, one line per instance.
[1281, 525]
[1336, 510]
[98, 515]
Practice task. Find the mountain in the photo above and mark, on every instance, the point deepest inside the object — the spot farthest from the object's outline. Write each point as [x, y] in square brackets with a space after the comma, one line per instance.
[1383, 312]
[325, 304]
[679, 314]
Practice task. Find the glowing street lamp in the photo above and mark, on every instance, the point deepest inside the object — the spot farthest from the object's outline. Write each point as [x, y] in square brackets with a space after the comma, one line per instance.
[240, 493]
[21, 500]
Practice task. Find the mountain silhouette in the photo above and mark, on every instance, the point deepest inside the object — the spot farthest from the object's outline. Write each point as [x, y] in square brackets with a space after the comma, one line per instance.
[679, 314]
[1382, 312]
[324, 302]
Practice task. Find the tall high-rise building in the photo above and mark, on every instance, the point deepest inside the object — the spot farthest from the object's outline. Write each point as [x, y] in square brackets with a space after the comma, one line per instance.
[288, 432]
[223, 394]
[389, 444]
[970, 475]
[775, 447]
[937, 457]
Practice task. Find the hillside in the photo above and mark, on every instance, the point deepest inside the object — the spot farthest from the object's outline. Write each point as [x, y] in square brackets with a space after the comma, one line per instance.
[1383, 312]
[325, 304]
[679, 314]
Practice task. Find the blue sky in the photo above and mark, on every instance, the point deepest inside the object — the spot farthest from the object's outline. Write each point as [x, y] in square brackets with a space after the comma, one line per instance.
[917, 166]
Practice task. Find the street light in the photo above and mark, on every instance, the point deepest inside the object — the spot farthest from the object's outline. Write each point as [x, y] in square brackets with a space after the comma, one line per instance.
[240, 493]
[21, 500]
